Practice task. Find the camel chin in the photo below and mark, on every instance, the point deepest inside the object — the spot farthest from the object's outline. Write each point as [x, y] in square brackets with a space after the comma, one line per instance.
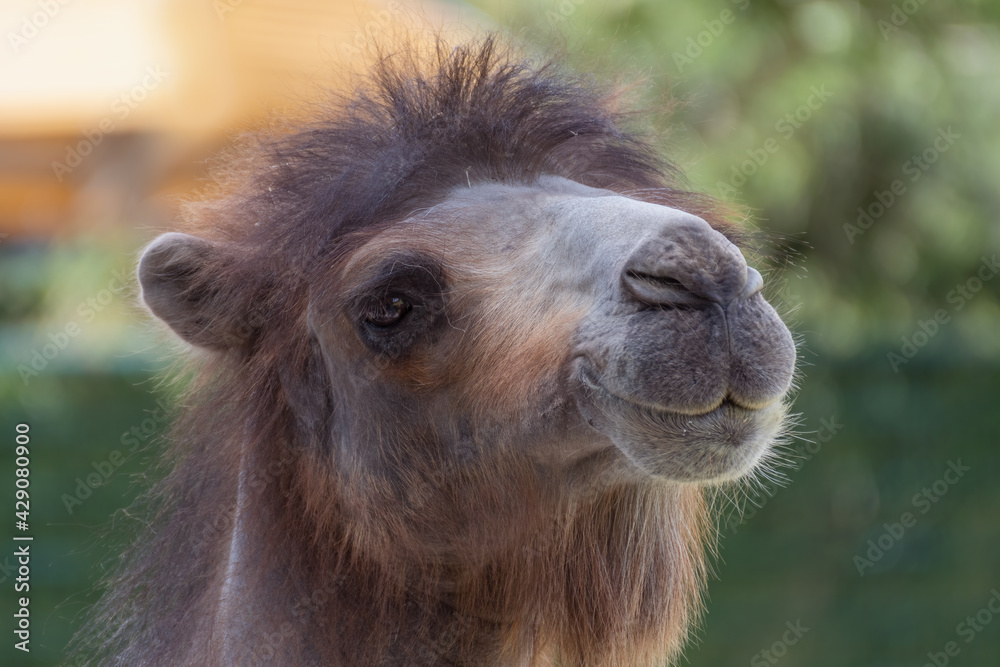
[719, 445]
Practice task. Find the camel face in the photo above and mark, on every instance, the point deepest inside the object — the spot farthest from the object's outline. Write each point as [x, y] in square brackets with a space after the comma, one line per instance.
[574, 327]
[469, 353]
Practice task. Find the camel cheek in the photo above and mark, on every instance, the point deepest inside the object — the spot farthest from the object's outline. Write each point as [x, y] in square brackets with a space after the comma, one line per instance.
[510, 366]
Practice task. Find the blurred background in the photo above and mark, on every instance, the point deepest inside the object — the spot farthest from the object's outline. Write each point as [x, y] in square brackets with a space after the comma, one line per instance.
[862, 138]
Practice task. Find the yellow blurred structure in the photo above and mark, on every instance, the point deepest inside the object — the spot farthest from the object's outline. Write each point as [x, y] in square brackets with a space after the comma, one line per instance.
[104, 103]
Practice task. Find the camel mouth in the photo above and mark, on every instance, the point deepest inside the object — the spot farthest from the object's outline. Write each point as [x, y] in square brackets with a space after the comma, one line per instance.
[720, 443]
[727, 403]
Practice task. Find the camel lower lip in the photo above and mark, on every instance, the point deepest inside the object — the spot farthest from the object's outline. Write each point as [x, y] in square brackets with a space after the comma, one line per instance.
[587, 377]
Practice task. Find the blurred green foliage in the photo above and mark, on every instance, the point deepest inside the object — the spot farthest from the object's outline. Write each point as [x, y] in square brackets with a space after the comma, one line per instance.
[803, 112]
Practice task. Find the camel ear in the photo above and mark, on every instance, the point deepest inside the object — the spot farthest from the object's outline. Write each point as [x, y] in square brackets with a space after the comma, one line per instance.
[180, 276]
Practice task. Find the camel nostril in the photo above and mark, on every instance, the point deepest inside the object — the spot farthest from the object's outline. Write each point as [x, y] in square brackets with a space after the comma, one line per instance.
[662, 281]
[683, 261]
[660, 290]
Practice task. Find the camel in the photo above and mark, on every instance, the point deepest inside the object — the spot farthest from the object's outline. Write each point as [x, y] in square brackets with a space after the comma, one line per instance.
[465, 358]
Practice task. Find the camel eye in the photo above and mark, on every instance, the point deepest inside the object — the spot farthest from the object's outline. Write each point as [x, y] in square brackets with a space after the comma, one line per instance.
[397, 307]
[387, 312]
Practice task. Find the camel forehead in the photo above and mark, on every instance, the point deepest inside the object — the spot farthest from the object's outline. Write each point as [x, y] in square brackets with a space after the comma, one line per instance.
[554, 206]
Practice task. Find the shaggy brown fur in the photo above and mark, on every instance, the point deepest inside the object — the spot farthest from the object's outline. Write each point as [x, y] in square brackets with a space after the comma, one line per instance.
[612, 580]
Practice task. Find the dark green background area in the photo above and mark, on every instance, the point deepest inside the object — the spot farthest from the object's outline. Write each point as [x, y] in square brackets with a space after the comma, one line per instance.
[852, 299]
